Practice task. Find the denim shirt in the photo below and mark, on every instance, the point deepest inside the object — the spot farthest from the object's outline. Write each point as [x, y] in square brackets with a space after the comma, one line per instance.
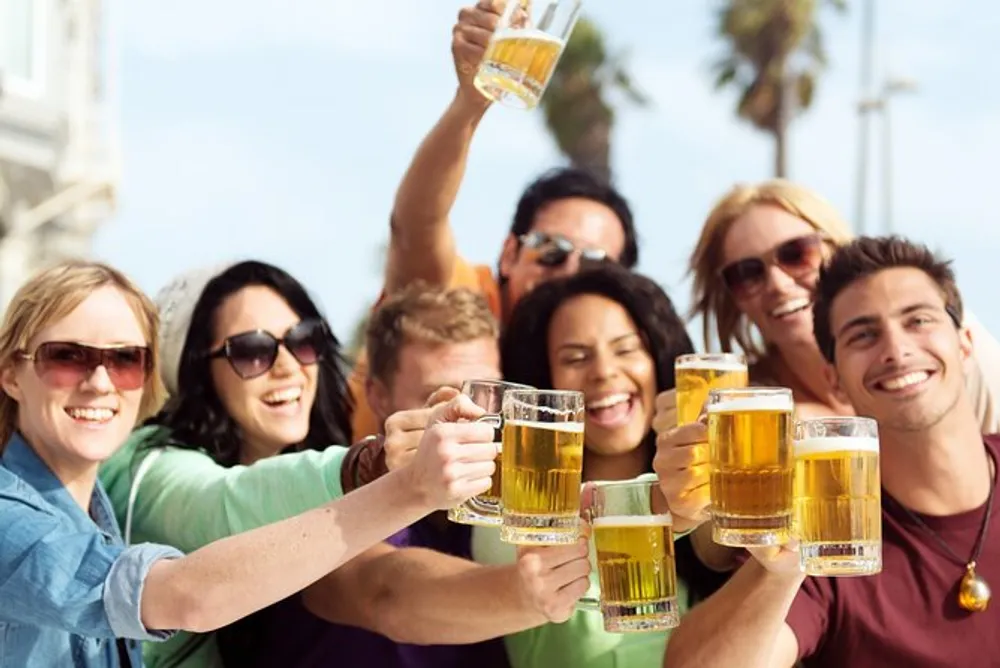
[68, 585]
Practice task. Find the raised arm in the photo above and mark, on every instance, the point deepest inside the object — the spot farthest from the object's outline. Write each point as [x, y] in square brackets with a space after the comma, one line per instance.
[420, 596]
[421, 243]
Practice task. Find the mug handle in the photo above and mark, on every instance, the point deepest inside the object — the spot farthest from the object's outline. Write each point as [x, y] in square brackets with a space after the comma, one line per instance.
[591, 600]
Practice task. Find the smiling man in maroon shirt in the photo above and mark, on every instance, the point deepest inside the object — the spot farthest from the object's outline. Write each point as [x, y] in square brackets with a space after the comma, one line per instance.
[887, 316]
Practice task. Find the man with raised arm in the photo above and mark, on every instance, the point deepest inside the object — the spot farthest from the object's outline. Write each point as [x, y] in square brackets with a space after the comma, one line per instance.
[887, 317]
[563, 217]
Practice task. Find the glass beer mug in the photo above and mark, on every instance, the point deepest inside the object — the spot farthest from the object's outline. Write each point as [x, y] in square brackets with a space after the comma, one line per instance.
[838, 496]
[542, 466]
[484, 510]
[524, 50]
[699, 373]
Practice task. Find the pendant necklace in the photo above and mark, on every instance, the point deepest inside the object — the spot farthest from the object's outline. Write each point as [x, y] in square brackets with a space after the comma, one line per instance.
[973, 591]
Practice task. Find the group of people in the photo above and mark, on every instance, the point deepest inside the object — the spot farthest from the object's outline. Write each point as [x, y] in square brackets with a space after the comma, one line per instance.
[200, 480]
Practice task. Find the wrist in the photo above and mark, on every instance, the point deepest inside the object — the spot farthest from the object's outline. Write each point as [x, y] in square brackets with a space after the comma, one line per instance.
[470, 104]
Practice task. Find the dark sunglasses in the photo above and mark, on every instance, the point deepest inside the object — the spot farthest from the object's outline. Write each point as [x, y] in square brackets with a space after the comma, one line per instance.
[553, 250]
[66, 364]
[253, 353]
[796, 257]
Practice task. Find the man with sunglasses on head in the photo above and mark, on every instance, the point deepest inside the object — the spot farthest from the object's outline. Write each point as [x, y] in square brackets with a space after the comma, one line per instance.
[566, 216]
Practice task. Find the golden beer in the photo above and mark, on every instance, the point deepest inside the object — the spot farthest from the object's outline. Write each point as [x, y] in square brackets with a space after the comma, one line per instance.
[838, 505]
[695, 375]
[518, 64]
[635, 565]
[750, 449]
[542, 471]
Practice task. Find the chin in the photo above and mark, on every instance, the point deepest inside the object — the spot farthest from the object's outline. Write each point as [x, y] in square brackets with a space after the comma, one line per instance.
[97, 448]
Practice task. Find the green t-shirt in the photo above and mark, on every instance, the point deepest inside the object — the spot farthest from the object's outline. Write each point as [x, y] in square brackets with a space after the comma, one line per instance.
[187, 500]
[581, 641]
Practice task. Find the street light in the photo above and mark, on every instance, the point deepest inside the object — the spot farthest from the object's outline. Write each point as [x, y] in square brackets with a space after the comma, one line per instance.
[891, 87]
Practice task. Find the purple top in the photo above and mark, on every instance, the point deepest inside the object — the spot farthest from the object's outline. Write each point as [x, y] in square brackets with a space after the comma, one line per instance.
[288, 635]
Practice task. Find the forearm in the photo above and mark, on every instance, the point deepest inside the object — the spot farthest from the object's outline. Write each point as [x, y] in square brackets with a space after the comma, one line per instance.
[718, 558]
[737, 626]
[233, 577]
[432, 598]
[421, 242]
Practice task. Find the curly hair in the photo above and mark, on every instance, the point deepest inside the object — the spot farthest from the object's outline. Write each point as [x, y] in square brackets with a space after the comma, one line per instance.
[196, 418]
[524, 344]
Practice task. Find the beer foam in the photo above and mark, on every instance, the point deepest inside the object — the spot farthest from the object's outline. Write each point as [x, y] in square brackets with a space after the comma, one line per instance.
[527, 33]
[709, 365]
[774, 402]
[571, 427]
[633, 521]
[824, 444]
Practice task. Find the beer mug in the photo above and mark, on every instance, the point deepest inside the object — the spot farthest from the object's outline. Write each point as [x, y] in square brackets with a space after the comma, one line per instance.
[751, 465]
[699, 373]
[542, 466]
[838, 496]
[524, 49]
[484, 509]
[635, 556]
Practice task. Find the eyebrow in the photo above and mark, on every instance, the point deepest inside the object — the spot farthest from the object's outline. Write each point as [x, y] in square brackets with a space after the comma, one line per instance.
[868, 320]
[617, 339]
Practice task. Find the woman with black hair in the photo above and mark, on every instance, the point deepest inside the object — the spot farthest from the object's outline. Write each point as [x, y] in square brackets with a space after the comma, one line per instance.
[613, 335]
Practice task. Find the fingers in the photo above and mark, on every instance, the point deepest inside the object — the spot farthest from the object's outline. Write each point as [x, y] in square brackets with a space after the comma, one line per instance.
[555, 577]
[412, 420]
[441, 395]
[665, 416]
[460, 408]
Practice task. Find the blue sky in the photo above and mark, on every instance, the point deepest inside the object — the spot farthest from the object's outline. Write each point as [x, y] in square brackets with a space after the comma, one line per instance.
[277, 130]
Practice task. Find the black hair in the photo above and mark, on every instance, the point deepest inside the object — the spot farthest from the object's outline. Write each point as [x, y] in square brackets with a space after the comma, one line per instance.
[195, 417]
[524, 344]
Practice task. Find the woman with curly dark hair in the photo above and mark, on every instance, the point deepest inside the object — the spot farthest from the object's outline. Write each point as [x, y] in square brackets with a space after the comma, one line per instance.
[613, 335]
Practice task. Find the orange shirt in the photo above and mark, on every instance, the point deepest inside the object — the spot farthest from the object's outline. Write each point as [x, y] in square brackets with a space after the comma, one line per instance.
[464, 275]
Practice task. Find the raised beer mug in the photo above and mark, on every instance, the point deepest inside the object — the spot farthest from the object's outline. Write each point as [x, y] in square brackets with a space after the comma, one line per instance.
[484, 510]
[542, 466]
[635, 560]
[838, 496]
[750, 459]
[523, 52]
[699, 373]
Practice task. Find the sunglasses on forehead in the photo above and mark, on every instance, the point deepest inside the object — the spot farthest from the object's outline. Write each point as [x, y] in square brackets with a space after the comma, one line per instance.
[66, 363]
[552, 250]
[797, 257]
[253, 353]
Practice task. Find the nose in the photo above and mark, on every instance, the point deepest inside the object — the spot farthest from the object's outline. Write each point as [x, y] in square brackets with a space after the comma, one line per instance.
[285, 363]
[776, 280]
[604, 366]
[896, 345]
[99, 381]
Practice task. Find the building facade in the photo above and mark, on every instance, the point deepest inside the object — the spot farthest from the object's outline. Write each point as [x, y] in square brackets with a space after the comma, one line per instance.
[59, 154]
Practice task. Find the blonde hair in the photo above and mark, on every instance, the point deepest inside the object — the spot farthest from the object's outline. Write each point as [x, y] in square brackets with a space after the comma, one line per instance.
[49, 297]
[711, 300]
[423, 314]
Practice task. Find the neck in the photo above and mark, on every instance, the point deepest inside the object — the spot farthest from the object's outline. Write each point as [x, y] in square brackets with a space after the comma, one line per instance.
[942, 471]
[79, 478]
[801, 368]
[622, 466]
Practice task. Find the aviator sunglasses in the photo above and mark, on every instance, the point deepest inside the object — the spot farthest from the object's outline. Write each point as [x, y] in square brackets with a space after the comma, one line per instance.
[66, 364]
[797, 257]
[553, 250]
[253, 353]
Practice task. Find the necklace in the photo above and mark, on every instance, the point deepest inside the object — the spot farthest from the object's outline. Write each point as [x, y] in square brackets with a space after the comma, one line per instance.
[973, 591]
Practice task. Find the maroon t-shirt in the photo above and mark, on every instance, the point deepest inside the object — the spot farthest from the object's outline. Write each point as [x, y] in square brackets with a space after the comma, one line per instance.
[907, 615]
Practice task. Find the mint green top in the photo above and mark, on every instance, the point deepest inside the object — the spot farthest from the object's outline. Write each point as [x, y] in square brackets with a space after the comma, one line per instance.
[187, 500]
[581, 641]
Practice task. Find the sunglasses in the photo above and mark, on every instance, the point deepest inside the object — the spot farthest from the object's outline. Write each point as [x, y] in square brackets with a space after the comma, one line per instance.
[253, 353]
[67, 364]
[796, 257]
[554, 250]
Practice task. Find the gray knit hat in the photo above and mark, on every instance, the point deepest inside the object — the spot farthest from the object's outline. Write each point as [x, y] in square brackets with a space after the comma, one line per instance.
[176, 304]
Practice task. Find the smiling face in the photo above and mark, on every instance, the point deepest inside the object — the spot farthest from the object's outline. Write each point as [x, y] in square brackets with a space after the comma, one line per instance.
[899, 357]
[272, 409]
[74, 424]
[595, 348]
[779, 307]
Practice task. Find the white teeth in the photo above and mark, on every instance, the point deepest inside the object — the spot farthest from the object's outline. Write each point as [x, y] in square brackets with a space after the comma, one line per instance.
[91, 414]
[791, 306]
[608, 401]
[906, 380]
[282, 396]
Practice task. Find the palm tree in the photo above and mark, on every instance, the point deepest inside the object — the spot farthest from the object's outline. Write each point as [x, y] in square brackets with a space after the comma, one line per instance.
[774, 55]
[577, 111]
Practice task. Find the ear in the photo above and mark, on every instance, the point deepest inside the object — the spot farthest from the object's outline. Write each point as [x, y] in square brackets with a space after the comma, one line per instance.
[965, 343]
[833, 378]
[379, 399]
[8, 380]
[508, 256]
